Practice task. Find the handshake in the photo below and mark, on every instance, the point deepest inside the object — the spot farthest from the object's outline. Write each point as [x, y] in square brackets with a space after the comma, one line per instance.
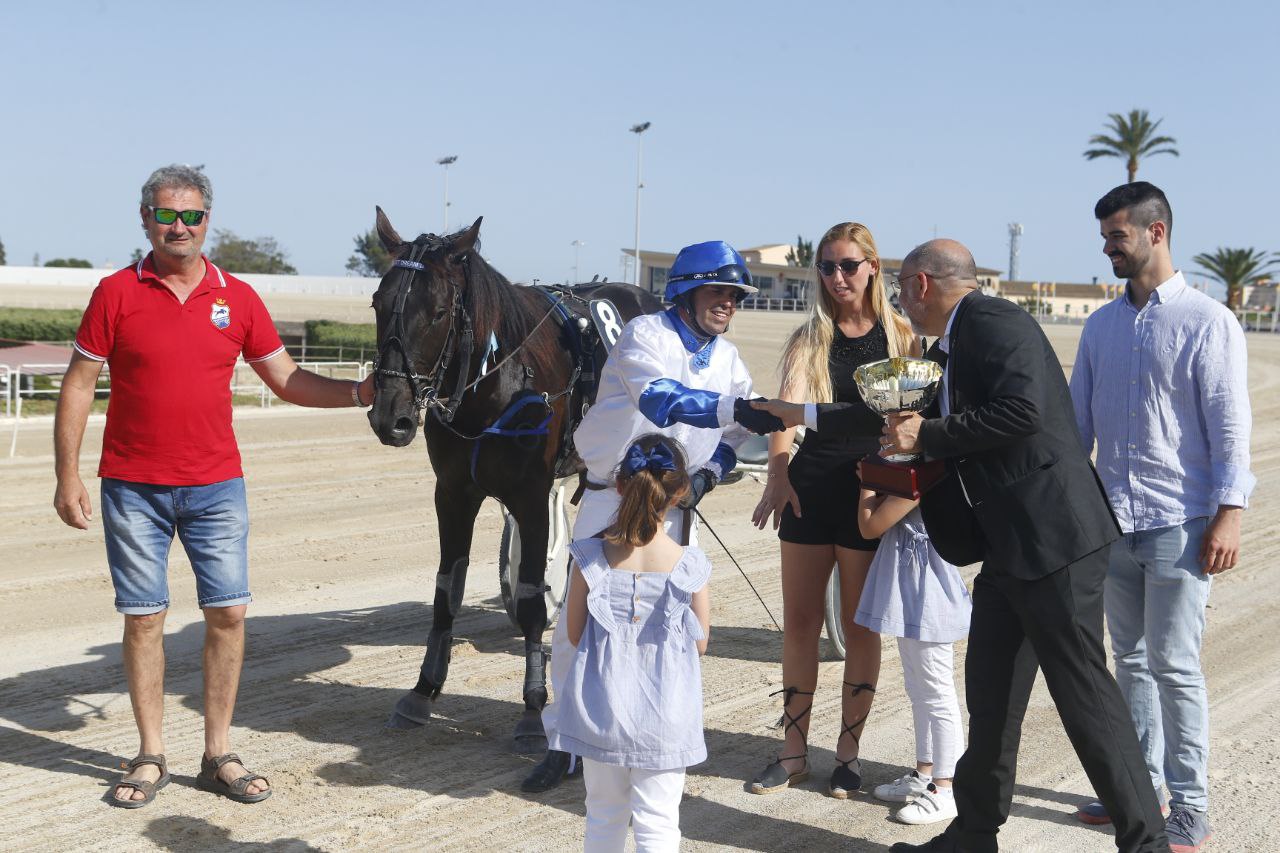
[762, 416]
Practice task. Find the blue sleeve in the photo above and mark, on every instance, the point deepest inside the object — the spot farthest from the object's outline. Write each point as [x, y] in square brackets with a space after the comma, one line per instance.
[724, 458]
[666, 401]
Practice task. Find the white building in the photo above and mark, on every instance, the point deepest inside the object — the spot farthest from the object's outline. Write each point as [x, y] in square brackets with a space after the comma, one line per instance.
[781, 285]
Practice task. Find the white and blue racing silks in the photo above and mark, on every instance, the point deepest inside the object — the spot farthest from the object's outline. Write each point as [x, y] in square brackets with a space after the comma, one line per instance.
[651, 383]
[665, 402]
[723, 460]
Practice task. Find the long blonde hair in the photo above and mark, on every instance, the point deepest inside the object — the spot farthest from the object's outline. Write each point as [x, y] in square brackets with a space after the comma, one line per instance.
[804, 368]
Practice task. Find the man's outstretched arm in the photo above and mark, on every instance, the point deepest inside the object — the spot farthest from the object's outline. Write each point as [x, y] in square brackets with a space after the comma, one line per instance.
[71, 498]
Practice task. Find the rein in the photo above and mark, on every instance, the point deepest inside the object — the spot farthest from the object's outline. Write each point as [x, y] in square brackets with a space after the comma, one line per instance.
[423, 386]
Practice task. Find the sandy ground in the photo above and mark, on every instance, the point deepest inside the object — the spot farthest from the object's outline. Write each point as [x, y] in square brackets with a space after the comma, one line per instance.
[344, 550]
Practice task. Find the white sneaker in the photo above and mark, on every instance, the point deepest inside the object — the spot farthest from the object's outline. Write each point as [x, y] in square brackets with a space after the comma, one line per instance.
[903, 789]
[930, 807]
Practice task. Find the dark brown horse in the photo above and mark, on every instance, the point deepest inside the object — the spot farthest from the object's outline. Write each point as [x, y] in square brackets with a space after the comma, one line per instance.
[497, 423]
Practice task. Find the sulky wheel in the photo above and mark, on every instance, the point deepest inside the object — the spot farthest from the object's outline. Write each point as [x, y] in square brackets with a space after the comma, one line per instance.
[557, 575]
[835, 628]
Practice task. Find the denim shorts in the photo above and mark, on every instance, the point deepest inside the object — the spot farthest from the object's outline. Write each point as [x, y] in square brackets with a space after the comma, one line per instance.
[212, 522]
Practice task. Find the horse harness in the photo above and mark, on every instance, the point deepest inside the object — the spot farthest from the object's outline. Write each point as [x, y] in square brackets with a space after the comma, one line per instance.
[582, 346]
[423, 386]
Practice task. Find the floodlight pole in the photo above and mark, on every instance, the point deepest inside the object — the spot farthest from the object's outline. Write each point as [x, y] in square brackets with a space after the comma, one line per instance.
[577, 247]
[638, 129]
[446, 162]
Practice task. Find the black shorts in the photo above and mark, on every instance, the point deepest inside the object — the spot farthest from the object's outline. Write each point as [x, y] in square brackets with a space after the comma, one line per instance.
[828, 487]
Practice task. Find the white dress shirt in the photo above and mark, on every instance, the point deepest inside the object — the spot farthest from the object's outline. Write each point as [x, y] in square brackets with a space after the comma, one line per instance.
[1163, 391]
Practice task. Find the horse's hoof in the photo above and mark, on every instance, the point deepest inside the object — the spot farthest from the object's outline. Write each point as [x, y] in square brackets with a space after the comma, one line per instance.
[530, 736]
[413, 710]
[549, 772]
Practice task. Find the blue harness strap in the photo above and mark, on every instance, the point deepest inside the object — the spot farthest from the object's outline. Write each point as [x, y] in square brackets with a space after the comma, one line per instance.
[499, 427]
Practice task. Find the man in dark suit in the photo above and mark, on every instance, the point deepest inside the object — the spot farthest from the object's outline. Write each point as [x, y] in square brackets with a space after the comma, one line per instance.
[1023, 498]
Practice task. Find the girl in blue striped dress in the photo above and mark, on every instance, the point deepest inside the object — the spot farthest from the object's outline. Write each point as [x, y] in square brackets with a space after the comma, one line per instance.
[638, 616]
[913, 594]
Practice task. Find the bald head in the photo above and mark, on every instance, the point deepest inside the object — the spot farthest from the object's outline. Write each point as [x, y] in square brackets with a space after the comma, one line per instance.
[947, 261]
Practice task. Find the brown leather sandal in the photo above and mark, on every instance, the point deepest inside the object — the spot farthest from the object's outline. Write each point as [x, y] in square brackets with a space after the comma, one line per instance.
[148, 789]
[208, 780]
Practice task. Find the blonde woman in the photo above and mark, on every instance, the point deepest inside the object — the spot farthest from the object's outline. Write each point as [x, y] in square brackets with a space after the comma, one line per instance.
[815, 499]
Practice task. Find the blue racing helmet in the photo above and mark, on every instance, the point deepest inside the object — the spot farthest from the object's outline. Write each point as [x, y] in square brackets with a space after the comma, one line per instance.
[713, 262]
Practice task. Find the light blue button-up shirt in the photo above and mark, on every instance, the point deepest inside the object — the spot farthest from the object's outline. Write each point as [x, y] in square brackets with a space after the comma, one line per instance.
[1163, 391]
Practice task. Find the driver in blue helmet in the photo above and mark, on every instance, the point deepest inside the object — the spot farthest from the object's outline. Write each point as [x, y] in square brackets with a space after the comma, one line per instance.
[670, 372]
[673, 373]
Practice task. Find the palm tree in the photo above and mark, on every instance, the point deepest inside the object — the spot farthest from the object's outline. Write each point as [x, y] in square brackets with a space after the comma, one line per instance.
[1134, 139]
[801, 254]
[1235, 268]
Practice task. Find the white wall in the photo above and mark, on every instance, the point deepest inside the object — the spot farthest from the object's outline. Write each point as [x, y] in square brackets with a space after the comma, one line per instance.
[332, 285]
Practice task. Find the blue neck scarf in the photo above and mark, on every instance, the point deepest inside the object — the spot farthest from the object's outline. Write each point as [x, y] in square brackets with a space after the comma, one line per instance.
[693, 342]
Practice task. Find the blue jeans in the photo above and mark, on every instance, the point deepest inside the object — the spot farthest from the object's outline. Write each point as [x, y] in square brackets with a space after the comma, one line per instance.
[212, 522]
[1155, 600]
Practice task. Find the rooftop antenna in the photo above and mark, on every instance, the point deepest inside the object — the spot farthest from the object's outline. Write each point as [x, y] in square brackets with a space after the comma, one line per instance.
[1015, 243]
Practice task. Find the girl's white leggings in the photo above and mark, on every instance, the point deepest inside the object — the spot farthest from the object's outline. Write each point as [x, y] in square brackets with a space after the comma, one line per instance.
[929, 672]
[650, 799]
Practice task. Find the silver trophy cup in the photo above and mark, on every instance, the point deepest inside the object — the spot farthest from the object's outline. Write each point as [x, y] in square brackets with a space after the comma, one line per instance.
[900, 384]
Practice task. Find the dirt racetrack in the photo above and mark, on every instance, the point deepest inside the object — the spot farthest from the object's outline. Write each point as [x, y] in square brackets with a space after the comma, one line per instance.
[343, 558]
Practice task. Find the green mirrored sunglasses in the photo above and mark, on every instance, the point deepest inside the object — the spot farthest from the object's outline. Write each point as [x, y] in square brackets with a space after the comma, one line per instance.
[167, 216]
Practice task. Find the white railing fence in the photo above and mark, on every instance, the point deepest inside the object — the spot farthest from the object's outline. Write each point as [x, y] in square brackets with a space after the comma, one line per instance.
[245, 382]
[769, 303]
[1258, 321]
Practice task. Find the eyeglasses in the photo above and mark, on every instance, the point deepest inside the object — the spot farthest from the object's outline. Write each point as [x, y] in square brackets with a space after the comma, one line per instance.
[730, 273]
[848, 266]
[167, 216]
[895, 284]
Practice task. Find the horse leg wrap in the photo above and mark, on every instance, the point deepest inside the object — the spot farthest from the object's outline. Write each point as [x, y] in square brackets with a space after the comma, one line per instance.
[435, 664]
[531, 607]
[535, 675]
[531, 590]
[453, 584]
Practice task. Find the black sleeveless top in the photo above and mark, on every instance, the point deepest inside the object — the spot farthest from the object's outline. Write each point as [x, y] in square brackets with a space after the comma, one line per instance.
[848, 354]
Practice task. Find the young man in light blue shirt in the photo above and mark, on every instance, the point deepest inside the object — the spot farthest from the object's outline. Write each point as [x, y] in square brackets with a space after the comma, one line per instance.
[1160, 383]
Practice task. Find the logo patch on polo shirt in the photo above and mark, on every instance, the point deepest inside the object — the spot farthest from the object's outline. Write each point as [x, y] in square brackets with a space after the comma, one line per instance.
[220, 316]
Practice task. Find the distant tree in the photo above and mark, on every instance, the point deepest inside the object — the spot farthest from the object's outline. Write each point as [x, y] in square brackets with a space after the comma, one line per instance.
[75, 263]
[1, 253]
[137, 256]
[242, 255]
[1235, 268]
[370, 259]
[801, 254]
[1135, 138]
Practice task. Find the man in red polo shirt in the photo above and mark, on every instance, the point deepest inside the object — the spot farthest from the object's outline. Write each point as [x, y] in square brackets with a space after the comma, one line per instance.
[171, 327]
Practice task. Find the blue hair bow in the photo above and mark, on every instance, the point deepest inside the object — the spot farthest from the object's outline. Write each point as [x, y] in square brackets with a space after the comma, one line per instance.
[659, 458]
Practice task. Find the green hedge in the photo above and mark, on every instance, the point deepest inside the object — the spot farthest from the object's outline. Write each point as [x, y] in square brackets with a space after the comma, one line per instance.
[330, 333]
[61, 324]
[39, 324]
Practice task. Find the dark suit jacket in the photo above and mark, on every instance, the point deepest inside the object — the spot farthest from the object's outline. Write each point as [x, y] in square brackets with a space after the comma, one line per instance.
[1023, 496]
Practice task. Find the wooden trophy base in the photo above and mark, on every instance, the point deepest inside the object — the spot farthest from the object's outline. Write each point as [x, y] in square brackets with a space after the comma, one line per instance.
[904, 479]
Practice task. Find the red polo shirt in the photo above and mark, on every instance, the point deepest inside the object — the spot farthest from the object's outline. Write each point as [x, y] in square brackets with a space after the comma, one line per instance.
[169, 417]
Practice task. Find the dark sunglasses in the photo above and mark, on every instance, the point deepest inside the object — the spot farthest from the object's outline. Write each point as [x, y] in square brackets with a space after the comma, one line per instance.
[848, 266]
[730, 273]
[167, 216]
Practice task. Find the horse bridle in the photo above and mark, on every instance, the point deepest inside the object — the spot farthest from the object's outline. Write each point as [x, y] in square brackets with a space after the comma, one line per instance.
[423, 386]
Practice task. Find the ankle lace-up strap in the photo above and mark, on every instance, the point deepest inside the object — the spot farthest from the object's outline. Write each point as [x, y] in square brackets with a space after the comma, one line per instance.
[851, 729]
[788, 720]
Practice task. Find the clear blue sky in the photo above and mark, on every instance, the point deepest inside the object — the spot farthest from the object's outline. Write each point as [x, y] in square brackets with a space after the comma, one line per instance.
[769, 120]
